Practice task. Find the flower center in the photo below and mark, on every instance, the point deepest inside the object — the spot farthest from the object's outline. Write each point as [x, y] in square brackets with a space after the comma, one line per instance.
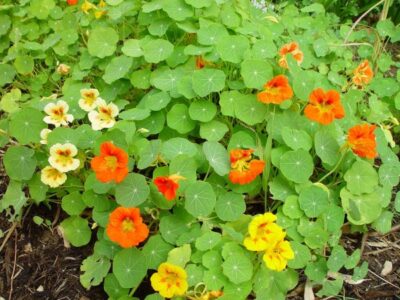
[105, 113]
[54, 174]
[127, 225]
[58, 113]
[241, 165]
[111, 162]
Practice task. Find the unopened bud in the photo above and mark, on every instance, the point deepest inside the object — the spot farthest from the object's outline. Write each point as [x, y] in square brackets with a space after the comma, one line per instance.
[63, 69]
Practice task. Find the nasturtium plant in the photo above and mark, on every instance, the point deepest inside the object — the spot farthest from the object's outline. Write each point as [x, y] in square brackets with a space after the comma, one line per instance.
[208, 149]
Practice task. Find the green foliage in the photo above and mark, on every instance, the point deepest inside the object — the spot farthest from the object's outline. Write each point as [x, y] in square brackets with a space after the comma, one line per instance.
[182, 119]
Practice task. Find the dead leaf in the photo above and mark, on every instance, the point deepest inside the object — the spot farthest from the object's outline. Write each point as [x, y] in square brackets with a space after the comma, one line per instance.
[345, 277]
[60, 232]
[308, 291]
[387, 268]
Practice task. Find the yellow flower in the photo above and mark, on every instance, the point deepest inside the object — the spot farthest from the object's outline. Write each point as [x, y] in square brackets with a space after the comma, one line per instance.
[102, 4]
[43, 135]
[98, 14]
[62, 157]
[57, 114]
[89, 97]
[170, 280]
[52, 177]
[87, 6]
[277, 255]
[262, 232]
[105, 116]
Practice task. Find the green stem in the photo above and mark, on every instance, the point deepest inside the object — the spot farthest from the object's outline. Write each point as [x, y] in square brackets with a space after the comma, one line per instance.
[335, 167]
[267, 168]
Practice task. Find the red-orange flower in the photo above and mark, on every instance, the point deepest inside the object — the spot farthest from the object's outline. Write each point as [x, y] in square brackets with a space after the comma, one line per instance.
[200, 62]
[363, 74]
[361, 139]
[324, 107]
[293, 49]
[72, 2]
[276, 90]
[244, 169]
[168, 185]
[126, 228]
[111, 164]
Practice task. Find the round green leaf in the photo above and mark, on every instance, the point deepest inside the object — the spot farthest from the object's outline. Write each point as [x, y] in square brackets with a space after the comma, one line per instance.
[230, 206]
[296, 139]
[217, 156]
[231, 48]
[157, 50]
[102, 41]
[297, 165]
[7, 74]
[302, 255]
[208, 241]
[157, 100]
[132, 191]
[26, 124]
[206, 81]
[238, 268]
[73, 204]
[337, 259]
[19, 162]
[227, 102]
[113, 288]
[141, 79]
[177, 9]
[76, 231]
[24, 64]
[213, 131]
[63, 135]
[255, 73]
[203, 111]
[199, 199]
[249, 110]
[129, 267]
[166, 79]
[117, 68]
[178, 119]
[94, 269]
[178, 146]
[313, 201]
[156, 251]
[291, 207]
[361, 178]
[326, 147]
[132, 48]
[211, 34]
[389, 174]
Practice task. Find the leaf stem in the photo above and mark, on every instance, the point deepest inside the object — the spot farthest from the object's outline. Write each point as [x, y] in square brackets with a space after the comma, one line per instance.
[335, 167]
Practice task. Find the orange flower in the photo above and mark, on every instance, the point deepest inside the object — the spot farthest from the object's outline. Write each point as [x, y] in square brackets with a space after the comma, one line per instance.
[324, 107]
[276, 90]
[244, 169]
[126, 228]
[363, 74]
[111, 164]
[200, 62]
[293, 49]
[361, 139]
[168, 185]
[72, 2]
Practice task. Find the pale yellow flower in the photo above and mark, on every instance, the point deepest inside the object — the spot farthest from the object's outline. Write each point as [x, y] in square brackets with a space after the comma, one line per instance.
[89, 97]
[52, 177]
[57, 114]
[43, 135]
[62, 157]
[105, 116]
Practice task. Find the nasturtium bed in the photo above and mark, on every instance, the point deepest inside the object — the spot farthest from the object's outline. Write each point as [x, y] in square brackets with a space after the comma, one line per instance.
[158, 125]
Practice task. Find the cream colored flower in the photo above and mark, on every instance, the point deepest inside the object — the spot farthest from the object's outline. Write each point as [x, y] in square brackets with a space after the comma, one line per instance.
[43, 135]
[52, 177]
[89, 98]
[105, 116]
[62, 157]
[57, 114]
[63, 69]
